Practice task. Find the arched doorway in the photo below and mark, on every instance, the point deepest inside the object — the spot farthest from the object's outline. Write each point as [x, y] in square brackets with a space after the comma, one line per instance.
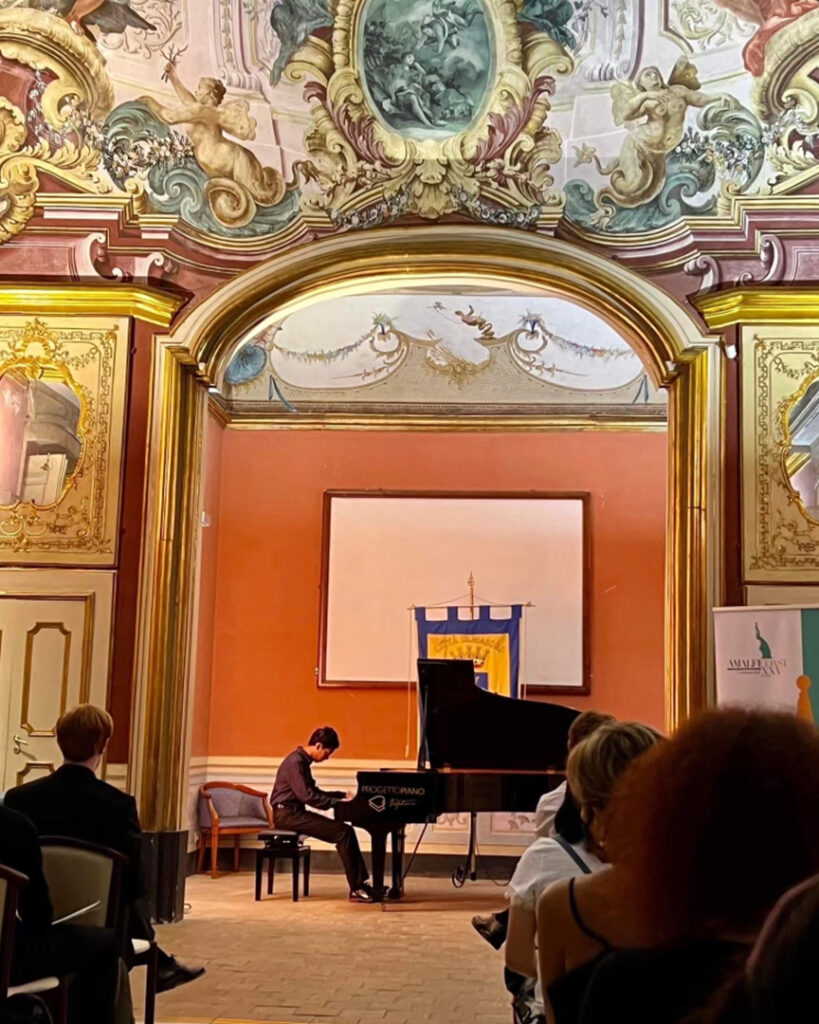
[675, 353]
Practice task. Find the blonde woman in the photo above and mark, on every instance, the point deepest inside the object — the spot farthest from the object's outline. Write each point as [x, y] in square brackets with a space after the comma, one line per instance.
[594, 767]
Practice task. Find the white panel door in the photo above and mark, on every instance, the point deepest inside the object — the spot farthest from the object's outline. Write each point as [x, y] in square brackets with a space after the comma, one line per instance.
[55, 636]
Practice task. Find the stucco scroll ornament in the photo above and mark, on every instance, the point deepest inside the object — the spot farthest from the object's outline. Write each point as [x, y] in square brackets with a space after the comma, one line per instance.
[69, 82]
[429, 108]
[787, 97]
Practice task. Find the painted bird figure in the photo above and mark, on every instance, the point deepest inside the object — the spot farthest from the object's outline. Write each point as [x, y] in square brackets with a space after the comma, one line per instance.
[107, 15]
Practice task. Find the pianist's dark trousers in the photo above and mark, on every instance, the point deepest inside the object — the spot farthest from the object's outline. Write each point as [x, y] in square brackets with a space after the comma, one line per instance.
[329, 831]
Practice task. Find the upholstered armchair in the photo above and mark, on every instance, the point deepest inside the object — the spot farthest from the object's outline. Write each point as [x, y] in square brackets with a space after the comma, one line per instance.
[228, 809]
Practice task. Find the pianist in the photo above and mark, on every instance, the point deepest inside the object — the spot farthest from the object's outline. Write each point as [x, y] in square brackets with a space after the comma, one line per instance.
[295, 787]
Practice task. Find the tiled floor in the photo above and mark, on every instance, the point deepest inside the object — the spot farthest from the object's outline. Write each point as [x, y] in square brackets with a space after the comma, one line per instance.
[326, 960]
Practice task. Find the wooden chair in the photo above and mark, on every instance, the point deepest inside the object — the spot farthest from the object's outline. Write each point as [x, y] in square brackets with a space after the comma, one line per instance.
[228, 809]
[80, 874]
[11, 882]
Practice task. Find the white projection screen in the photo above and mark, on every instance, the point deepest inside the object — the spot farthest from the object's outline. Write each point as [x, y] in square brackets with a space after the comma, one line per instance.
[387, 552]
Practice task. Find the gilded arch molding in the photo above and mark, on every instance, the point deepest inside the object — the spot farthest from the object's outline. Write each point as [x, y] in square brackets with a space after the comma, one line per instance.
[672, 347]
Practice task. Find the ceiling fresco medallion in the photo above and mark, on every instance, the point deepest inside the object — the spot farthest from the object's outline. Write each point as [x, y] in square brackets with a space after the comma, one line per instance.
[429, 107]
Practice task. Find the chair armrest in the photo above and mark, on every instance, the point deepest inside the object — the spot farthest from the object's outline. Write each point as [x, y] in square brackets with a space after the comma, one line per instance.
[268, 810]
[211, 808]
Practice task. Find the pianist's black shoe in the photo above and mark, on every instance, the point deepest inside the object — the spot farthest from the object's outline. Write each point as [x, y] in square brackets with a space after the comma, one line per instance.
[363, 895]
[490, 929]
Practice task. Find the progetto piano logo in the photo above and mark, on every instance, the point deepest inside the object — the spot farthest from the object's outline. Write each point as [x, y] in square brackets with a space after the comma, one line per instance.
[377, 803]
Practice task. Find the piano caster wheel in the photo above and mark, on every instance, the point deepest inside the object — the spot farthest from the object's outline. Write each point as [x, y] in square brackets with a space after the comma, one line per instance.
[459, 877]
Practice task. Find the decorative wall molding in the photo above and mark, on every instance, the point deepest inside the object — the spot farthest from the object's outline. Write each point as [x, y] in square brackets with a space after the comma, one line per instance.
[780, 542]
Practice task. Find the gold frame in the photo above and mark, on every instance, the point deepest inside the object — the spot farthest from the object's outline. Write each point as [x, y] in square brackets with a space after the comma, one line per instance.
[675, 352]
[84, 333]
[777, 350]
[90, 354]
[801, 458]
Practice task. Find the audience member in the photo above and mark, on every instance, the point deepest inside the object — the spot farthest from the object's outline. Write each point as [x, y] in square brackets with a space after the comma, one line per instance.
[594, 767]
[705, 833]
[779, 979]
[74, 802]
[556, 812]
[42, 948]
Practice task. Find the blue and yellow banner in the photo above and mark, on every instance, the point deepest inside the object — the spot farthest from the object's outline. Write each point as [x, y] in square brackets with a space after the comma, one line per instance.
[492, 645]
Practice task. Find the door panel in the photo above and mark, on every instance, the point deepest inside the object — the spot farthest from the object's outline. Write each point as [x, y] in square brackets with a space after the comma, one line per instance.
[54, 653]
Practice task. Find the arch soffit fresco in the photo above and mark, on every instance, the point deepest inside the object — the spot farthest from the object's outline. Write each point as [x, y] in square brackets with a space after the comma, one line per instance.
[662, 333]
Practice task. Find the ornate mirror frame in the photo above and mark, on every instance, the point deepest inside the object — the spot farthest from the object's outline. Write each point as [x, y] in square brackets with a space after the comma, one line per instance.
[88, 353]
[787, 442]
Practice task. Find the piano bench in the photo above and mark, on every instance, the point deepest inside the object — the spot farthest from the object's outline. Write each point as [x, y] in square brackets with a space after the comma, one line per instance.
[279, 843]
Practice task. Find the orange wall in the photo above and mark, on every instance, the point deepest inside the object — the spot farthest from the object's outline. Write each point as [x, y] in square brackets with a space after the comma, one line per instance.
[212, 471]
[264, 698]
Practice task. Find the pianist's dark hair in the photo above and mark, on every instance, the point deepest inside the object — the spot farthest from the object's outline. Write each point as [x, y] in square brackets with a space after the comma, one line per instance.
[711, 827]
[326, 736]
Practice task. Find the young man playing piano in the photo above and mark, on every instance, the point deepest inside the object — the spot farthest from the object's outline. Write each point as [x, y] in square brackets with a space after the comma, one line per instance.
[295, 787]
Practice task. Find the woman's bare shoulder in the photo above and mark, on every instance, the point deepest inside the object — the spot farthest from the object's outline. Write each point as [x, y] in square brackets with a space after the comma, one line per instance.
[554, 898]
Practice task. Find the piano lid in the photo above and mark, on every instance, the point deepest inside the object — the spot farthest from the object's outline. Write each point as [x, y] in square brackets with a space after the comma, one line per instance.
[463, 726]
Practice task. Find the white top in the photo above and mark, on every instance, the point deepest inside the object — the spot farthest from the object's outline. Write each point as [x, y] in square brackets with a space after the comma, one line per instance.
[547, 808]
[543, 863]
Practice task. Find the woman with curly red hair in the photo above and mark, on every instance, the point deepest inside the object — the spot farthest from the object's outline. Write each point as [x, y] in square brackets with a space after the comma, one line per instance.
[705, 833]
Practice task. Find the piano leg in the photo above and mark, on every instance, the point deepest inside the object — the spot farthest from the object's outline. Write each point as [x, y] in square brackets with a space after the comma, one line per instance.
[378, 855]
[396, 891]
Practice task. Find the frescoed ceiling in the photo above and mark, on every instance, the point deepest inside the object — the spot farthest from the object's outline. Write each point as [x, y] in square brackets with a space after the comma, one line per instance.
[429, 351]
[239, 127]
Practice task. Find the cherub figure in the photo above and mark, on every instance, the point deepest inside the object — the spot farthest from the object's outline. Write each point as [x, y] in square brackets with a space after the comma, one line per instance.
[441, 27]
[238, 181]
[654, 112]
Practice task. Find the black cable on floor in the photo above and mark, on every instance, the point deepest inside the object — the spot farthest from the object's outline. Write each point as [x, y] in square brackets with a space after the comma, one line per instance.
[494, 881]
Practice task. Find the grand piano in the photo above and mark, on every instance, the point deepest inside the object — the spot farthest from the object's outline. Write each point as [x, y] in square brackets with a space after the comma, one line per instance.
[478, 751]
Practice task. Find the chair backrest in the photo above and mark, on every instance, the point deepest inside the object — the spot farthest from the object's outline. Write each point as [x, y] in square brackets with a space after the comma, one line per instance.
[231, 800]
[79, 874]
[11, 882]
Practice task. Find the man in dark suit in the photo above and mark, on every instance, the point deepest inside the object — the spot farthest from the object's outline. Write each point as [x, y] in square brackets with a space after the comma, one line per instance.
[74, 802]
[42, 949]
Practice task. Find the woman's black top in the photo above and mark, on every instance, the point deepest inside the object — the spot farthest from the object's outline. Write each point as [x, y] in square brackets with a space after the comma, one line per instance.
[659, 986]
[642, 986]
[566, 993]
